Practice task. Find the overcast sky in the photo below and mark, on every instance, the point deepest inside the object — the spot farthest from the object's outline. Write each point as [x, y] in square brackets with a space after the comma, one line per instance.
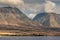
[35, 6]
[31, 7]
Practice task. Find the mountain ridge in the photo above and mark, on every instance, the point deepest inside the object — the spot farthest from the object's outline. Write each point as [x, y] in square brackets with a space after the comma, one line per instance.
[48, 19]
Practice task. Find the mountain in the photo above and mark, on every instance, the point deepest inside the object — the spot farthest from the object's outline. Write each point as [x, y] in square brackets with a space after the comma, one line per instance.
[15, 22]
[11, 16]
[50, 20]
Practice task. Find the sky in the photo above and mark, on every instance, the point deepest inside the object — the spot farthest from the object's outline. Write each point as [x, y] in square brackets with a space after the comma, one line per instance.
[33, 7]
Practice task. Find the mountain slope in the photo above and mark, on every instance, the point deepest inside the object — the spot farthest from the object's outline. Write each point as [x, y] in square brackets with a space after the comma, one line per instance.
[48, 19]
[12, 20]
[9, 15]
[13, 16]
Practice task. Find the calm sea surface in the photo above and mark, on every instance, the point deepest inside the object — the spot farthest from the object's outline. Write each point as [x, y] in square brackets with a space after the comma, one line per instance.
[30, 38]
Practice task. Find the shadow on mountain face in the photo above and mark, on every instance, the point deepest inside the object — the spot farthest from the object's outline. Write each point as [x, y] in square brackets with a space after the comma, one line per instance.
[48, 19]
[12, 18]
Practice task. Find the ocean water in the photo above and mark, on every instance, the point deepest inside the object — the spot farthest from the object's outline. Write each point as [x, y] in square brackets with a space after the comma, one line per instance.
[30, 38]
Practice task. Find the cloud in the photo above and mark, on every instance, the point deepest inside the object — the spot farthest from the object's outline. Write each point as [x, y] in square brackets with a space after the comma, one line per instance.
[15, 3]
[39, 1]
[12, 2]
[33, 7]
[31, 16]
[33, 1]
[49, 6]
[55, 0]
[57, 10]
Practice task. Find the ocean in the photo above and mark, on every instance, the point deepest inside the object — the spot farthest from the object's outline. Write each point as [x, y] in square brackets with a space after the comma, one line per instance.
[30, 38]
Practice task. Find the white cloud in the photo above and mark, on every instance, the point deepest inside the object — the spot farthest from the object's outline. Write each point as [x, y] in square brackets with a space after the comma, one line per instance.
[15, 3]
[33, 9]
[49, 6]
[32, 16]
[57, 10]
[12, 2]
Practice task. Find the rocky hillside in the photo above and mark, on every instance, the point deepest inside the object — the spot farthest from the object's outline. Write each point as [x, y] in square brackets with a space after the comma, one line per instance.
[48, 19]
[14, 23]
[12, 20]
[13, 16]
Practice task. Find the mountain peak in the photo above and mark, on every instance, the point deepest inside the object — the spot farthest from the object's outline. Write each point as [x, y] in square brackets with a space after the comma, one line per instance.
[48, 19]
[11, 16]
